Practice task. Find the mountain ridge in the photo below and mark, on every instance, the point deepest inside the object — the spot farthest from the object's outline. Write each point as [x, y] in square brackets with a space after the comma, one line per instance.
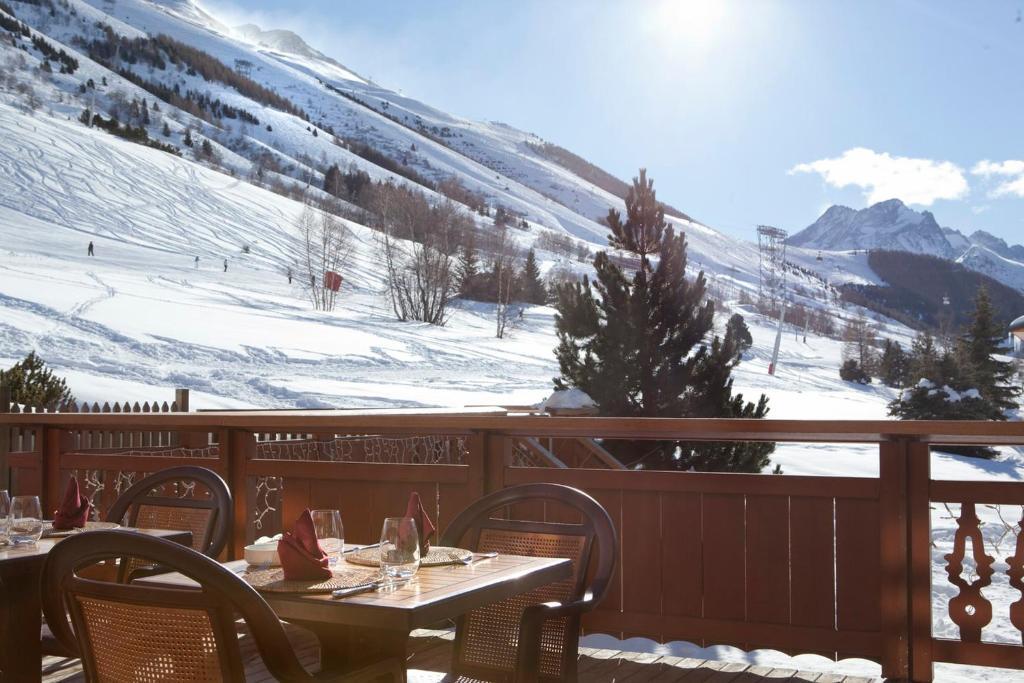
[891, 225]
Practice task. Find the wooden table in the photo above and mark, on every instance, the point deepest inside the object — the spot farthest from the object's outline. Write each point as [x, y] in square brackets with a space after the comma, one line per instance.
[20, 567]
[368, 627]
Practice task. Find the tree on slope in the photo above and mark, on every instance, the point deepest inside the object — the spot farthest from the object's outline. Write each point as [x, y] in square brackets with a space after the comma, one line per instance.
[993, 378]
[639, 346]
[532, 285]
[963, 384]
[893, 366]
[33, 384]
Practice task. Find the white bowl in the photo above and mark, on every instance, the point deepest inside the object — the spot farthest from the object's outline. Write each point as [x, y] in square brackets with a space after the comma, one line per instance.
[262, 554]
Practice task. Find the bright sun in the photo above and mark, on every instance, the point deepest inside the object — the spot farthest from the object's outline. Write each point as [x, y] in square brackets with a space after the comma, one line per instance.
[693, 23]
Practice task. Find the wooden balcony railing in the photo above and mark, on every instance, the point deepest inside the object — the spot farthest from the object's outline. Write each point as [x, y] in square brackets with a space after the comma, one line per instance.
[839, 566]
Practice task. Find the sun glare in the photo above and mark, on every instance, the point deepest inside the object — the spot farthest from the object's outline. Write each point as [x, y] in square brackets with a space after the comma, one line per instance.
[689, 23]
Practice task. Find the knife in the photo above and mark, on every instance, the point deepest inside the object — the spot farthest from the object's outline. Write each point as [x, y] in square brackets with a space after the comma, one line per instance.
[355, 590]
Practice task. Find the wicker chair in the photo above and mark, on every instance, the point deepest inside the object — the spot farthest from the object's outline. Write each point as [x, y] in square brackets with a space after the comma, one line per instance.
[137, 632]
[151, 503]
[534, 636]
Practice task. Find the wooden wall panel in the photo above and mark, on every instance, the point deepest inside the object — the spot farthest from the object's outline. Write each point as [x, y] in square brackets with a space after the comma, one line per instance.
[767, 566]
[858, 570]
[812, 564]
[724, 536]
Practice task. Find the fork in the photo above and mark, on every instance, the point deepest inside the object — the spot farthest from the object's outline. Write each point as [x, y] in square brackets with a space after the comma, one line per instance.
[476, 557]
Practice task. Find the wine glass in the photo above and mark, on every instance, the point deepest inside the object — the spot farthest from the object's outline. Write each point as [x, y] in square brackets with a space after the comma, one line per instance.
[26, 520]
[399, 548]
[330, 533]
[5, 516]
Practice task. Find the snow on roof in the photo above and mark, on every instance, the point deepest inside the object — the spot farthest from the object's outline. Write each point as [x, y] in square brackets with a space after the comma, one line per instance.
[1017, 326]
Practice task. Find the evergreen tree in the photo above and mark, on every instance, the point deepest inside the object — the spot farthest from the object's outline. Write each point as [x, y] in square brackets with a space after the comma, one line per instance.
[188, 137]
[851, 371]
[639, 346]
[34, 384]
[167, 130]
[743, 337]
[333, 182]
[532, 285]
[894, 366]
[468, 270]
[86, 116]
[993, 378]
[924, 358]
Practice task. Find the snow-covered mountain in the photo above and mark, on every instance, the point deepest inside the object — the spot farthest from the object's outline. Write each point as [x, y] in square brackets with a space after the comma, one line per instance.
[893, 226]
[885, 225]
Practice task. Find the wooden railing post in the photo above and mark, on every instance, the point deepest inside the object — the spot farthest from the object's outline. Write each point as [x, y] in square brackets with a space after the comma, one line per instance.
[920, 561]
[54, 443]
[237, 448]
[497, 456]
[5, 437]
[892, 474]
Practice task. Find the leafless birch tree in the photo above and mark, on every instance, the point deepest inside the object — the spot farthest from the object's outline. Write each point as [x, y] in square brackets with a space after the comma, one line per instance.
[327, 247]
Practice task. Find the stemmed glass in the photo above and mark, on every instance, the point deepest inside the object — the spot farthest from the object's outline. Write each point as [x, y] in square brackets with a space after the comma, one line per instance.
[330, 533]
[399, 548]
[26, 520]
[5, 516]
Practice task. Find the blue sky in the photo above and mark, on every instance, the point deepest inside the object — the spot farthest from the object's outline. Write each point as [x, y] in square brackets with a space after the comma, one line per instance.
[744, 111]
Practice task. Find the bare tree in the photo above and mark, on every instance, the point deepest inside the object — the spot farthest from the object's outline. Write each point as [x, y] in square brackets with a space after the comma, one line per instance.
[418, 243]
[327, 248]
[506, 259]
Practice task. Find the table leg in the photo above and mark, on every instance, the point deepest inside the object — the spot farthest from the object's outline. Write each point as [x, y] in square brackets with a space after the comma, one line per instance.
[344, 648]
[22, 654]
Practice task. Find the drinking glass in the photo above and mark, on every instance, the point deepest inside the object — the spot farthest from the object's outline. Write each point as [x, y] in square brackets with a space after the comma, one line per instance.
[26, 520]
[399, 548]
[5, 516]
[330, 533]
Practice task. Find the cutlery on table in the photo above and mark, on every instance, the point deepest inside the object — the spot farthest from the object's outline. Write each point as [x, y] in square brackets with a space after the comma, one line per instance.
[475, 557]
[355, 590]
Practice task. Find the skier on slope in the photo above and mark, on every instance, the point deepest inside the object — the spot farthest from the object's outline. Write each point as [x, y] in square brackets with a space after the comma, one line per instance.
[289, 276]
[225, 265]
[197, 263]
[91, 250]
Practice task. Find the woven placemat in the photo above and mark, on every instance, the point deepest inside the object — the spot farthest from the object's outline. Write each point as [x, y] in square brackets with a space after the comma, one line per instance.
[437, 555]
[50, 532]
[271, 580]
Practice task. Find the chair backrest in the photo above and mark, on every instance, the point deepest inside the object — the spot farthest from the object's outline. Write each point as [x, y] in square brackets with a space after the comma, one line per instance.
[137, 632]
[485, 639]
[185, 498]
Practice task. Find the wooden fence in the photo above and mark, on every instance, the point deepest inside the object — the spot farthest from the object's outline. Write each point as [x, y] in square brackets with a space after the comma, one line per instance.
[839, 566]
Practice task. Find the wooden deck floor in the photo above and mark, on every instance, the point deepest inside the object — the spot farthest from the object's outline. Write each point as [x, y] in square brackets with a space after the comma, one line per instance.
[430, 654]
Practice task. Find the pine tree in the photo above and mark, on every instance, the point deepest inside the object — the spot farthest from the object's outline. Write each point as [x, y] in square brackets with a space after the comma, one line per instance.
[638, 345]
[468, 270]
[188, 137]
[924, 359]
[993, 378]
[893, 368]
[333, 182]
[531, 283]
[33, 384]
[167, 130]
[86, 116]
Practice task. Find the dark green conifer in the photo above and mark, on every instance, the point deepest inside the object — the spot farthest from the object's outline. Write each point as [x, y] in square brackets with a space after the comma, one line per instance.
[643, 345]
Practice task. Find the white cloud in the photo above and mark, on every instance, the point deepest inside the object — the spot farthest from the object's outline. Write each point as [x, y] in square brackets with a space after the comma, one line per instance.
[1011, 172]
[883, 176]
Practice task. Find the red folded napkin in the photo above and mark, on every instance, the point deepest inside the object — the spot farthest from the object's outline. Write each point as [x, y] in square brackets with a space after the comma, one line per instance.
[74, 509]
[423, 524]
[302, 558]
